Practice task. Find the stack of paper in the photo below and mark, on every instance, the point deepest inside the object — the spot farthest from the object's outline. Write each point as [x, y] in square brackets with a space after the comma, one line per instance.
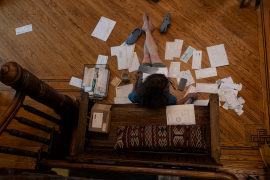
[180, 114]
[122, 93]
[173, 49]
[228, 92]
[126, 57]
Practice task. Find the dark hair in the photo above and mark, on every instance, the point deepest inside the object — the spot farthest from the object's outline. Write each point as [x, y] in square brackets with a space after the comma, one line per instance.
[153, 90]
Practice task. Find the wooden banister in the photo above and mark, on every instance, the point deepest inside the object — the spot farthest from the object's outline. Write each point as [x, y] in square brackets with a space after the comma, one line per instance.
[140, 170]
[9, 113]
[215, 127]
[12, 74]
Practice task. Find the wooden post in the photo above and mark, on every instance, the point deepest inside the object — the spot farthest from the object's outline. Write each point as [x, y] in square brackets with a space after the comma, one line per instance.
[82, 123]
[12, 74]
[215, 127]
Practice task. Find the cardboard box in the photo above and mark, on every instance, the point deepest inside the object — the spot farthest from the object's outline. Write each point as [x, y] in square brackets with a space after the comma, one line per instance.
[106, 118]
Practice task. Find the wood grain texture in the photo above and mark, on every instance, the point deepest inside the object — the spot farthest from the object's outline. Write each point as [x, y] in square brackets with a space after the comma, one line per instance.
[61, 43]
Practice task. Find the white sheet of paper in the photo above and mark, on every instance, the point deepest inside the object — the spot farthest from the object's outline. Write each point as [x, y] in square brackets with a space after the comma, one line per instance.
[88, 78]
[241, 100]
[162, 70]
[76, 82]
[178, 44]
[102, 60]
[24, 29]
[206, 88]
[225, 106]
[135, 64]
[114, 50]
[201, 102]
[205, 73]
[122, 58]
[102, 80]
[187, 54]
[145, 75]
[187, 75]
[97, 120]
[197, 59]
[122, 100]
[217, 55]
[231, 97]
[103, 28]
[169, 51]
[123, 91]
[191, 89]
[130, 53]
[174, 70]
[180, 114]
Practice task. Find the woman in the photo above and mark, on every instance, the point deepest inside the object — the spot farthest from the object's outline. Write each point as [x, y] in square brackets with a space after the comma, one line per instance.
[154, 91]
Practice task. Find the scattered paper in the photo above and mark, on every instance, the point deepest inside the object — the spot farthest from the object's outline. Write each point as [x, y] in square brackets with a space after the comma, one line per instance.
[188, 53]
[205, 73]
[231, 97]
[88, 78]
[169, 51]
[174, 70]
[122, 58]
[76, 82]
[122, 100]
[145, 75]
[180, 114]
[116, 81]
[97, 120]
[102, 80]
[191, 89]
[206, 88]
[135, 64]
[101, 60]
[241, 100]
[197, 60]
[187, 75]
[103, 28]
[114, 50]
[24, 29]
[177, 48]
[217, 55]
[225, 106]
[201, 102]
[124, 91]
[227, 92]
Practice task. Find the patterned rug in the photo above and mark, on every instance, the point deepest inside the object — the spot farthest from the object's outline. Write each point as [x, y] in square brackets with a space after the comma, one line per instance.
[165, 137]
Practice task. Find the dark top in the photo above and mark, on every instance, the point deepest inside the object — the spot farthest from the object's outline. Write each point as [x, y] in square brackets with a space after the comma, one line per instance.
[134, 98]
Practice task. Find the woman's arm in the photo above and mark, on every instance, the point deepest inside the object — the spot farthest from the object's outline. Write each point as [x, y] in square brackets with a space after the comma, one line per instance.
[137, 76]
[190, 95]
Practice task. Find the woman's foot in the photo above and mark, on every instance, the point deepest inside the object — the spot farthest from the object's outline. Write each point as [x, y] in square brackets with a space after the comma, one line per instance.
[147, 26]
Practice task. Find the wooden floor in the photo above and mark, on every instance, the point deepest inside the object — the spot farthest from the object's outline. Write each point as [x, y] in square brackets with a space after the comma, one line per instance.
[61, 43]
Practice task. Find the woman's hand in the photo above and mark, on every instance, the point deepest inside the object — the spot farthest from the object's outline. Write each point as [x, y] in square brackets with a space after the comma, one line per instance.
[137, 75]
[193, 95]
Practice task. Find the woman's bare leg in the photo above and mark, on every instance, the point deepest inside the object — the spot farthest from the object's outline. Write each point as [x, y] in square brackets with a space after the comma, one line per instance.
[150, 43]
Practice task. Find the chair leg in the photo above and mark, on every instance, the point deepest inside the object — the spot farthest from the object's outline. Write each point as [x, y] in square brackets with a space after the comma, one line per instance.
[258, 2]
[242, 3]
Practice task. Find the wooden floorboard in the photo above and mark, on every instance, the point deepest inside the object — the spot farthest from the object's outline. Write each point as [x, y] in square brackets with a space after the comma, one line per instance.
[61, 43]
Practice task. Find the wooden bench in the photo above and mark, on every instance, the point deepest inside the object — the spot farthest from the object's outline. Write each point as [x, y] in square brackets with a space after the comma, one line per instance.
[99, 153]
